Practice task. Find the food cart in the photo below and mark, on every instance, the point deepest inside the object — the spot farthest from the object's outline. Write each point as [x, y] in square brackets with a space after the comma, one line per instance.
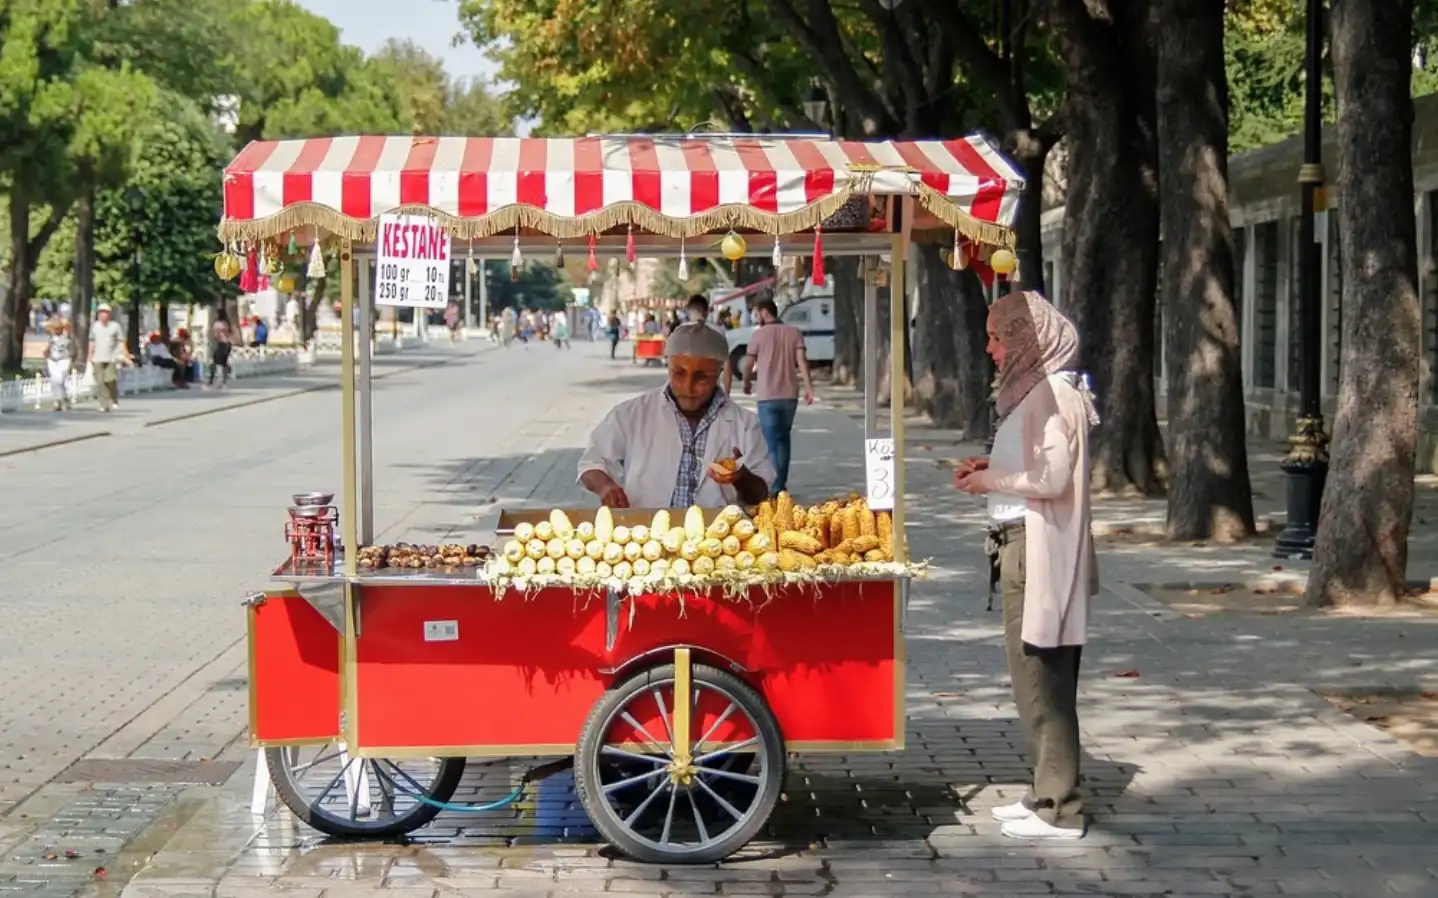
[649, 349]
[677, 693]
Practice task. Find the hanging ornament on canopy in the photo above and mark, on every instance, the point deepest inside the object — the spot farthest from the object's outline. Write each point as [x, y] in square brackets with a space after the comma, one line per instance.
[1004, 263]
[683, 263]
[629, 255]
[316, 269]
[777, 256]
[593, 263]
[733, 247]
[516, 258]
[559, 254]
[469, 261]
[818, 271]
[294, 248]
[249, 278]
[227, 265]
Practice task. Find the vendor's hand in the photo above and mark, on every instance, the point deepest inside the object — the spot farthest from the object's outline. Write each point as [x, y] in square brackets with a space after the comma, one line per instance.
[808, 395]
[614, 496]
[972, 482]
[748, 387]
[970, 465]
[726, 478]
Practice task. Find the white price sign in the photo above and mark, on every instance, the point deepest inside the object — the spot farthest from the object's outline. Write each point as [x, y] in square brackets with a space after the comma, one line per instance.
[879, 473]
[412, 269]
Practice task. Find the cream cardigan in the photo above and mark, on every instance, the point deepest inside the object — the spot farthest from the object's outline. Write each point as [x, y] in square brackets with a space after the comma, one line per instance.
[1061, 572]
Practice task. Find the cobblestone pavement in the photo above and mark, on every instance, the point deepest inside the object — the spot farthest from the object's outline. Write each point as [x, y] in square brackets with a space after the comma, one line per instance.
[1212, 771]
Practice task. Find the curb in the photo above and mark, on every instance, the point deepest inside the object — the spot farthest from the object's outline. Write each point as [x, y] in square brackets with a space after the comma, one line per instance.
[53, 443]
[188, 416]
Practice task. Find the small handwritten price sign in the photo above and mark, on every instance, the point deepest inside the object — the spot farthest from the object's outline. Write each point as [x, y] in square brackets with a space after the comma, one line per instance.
[412, 265]
[879, 473]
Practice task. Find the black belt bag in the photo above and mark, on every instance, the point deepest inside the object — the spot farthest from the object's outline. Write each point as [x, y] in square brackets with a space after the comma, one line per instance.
[995, 538]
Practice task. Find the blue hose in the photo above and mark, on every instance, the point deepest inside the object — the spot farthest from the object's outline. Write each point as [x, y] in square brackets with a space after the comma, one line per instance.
[507, 800]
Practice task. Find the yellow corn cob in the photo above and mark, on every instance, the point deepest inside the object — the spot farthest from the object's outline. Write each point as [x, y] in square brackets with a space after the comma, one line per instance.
[732, 545]
[604, 524]
[535, 548]
[784, 513]
[621, 535]
[818, 535]
[563, 528]
[574, 548]
[678, 567]
[799, 514]
[800, 542]
[528, 567]
[594, 549]
[790, 560]
[836, 527]
[613, 553]
[633, 551]
[544, 530]
[884, 521]
[867, 524]
[851, 522]
[652, 550]
[689, 550]
[673, 540]
[703, 565]
[760, 543]
[766, 561]
[513, 550]
[564, 566]
[874, 555]
[744, 560]
[639, 534]
[694, 523]
[660, 525]
[603, 569]
[742, 529]
[861, 544]
[585, 567]
[731, 514]
[718, 529]
[711, 547]
[724, 563]
[623, 570]
[641, 567]
[524, 532]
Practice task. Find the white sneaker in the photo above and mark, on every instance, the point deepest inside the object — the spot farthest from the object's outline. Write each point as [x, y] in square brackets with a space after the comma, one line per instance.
[1034, 827]
[1016, 811]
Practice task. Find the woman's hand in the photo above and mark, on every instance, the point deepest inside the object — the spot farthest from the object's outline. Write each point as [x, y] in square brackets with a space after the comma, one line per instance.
[970, 465]
[973, 482]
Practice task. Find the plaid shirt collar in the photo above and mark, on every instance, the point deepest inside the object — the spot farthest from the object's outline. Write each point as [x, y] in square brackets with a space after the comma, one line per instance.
[692, 435]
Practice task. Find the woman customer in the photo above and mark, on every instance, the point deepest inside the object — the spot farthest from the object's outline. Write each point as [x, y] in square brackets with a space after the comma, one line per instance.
[1037, 483]
[59, 357]
[221, 342]
[611, 330]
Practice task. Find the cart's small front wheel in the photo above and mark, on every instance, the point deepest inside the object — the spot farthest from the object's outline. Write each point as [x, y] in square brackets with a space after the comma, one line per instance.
[663, 795]
[361, 798]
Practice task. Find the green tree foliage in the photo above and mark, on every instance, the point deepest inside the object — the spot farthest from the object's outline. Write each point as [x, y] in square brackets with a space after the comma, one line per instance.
[538, 286]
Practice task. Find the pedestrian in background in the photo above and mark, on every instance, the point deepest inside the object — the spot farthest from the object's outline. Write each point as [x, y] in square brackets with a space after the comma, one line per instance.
[1037, 484]
[221, 343]
[611, 330]
[59, 357]
[776, 358]
[107, 351]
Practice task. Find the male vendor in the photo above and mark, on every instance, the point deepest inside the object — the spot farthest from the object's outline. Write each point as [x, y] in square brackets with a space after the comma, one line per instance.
[656, 450]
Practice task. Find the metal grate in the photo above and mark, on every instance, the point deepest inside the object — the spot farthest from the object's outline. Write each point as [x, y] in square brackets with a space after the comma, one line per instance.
[132, 770]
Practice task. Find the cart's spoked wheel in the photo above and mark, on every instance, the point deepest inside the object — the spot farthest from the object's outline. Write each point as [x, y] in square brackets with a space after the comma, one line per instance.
[671, 784]
[369, 798]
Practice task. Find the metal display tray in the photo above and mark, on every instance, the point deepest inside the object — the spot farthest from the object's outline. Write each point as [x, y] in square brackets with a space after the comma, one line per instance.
[509, 518]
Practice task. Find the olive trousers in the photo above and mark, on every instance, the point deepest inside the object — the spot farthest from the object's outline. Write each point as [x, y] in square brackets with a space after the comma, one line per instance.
[1046, 692]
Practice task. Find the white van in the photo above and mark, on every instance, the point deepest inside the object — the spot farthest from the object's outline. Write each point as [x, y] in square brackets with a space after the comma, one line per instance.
[813, 315]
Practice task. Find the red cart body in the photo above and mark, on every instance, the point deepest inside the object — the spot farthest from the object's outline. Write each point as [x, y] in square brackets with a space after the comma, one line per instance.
[453, 671]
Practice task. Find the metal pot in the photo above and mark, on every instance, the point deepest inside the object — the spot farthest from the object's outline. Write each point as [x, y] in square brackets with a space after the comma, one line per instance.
[313, 498]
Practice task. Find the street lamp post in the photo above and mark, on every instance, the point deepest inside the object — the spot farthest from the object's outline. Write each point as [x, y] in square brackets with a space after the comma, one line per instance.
[1306, 463]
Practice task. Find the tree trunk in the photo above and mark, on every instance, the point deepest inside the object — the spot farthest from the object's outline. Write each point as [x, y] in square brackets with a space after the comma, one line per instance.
[882, 389]
[949, 339]
[84, 292]
[15, 313]
[1360, 556]
[1111, 233]
[1209, 493]
[848, 320]
[1029, 153]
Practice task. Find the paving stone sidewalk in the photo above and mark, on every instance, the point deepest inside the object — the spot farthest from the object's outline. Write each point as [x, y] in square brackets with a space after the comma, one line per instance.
[1212, 768]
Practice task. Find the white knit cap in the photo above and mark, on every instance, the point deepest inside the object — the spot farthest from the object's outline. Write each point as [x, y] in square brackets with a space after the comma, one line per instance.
[697, 340]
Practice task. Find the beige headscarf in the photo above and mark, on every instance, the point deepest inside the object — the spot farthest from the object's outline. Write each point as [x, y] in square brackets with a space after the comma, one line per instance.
[1038, 341]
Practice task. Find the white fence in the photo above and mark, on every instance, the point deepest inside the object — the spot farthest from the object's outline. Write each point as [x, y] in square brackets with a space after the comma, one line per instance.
[34, 393]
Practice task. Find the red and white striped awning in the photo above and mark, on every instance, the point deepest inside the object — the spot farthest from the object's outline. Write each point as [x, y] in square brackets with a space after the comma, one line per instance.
[679, 187]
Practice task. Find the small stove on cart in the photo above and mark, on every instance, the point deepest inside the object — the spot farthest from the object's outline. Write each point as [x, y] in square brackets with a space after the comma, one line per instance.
[310, 530]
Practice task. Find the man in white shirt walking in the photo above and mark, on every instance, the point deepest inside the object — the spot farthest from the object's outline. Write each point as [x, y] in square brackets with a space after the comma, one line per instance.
[656, 450]
[107, 352]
